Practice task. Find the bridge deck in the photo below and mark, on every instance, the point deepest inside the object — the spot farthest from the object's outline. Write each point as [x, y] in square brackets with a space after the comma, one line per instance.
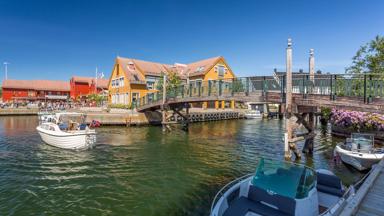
[368, 200]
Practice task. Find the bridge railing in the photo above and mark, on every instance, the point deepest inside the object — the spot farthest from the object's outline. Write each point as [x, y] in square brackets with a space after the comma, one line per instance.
[214, 88]
[362, 86]
[366, 87]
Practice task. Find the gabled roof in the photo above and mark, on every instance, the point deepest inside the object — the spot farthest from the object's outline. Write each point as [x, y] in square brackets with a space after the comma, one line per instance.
[101, 83]
[40, 85]
[203, 66]
[136, 70]
[80, 79]
[131, 68]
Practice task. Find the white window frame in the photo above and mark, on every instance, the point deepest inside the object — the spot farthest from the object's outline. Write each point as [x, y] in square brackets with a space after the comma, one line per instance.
[218, 70]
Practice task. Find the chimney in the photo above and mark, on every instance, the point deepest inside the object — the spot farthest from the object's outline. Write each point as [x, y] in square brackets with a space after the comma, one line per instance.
[311, 65]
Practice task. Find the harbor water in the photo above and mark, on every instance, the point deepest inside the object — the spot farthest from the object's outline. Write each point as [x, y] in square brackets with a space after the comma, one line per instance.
[141, 170]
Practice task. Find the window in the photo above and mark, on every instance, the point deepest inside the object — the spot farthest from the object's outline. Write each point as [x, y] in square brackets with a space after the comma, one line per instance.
[221, 70]
[126, 99]
[135, 97]
[200, 69]
[150, 85]
[136, 77]
[121, 81]
[113, 83]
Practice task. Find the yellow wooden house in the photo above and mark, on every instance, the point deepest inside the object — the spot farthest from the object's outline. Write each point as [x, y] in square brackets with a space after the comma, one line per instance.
[132, 79]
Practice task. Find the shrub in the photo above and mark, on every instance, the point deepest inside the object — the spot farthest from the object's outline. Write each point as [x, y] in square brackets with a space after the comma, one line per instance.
[357, 120]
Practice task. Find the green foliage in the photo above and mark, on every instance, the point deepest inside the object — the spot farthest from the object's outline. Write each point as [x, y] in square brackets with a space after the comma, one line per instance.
[326, 112]
[369, 58]
[173, 81]
[1, 91]
[96, 98]
[120, 106]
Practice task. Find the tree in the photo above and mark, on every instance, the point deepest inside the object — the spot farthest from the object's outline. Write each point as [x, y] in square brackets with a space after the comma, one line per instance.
[173, 81]
[96, 98]
[369, 58]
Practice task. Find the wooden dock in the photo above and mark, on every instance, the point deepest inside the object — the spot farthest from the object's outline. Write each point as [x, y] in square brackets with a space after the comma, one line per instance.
[368, 200]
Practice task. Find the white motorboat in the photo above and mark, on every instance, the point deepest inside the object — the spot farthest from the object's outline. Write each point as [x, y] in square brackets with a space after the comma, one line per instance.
[67, 131]
[359, 151]
[45, 116]
[281, 188]
[253, 114]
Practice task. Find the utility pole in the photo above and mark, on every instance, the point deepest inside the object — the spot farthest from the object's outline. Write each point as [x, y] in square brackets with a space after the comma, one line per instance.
[6, 69]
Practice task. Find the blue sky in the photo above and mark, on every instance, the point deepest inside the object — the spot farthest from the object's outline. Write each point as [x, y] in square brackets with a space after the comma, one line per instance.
[61, 38]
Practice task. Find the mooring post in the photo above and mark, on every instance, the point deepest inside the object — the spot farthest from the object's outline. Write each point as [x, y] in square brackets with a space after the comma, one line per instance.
[312, 67]
[288, 103]
[163, 122]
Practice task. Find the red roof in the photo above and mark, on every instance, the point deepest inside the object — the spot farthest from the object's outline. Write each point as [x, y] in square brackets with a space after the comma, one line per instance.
[40, 85]
[130, 67]
[82, 79]
[101, 83]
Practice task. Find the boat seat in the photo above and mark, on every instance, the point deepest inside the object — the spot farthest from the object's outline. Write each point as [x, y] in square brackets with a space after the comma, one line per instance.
[329, 184]
[63, 126]
[82, 126]
[239, 207]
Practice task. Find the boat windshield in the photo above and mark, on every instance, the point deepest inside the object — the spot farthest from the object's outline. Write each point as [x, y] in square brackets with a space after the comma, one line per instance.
[286, 179]
[70, 117]
[362, 142]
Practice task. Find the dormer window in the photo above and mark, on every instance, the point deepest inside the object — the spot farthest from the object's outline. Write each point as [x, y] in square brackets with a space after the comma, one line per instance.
[136, 77]
[131, 66]
[200, 69]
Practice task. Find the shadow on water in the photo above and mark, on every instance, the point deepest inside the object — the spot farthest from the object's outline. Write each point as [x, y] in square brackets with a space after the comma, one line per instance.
[141, 170]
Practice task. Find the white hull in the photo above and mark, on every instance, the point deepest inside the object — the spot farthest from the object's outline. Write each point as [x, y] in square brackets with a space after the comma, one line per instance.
[359, 160]
[75, 140]
[251, 116]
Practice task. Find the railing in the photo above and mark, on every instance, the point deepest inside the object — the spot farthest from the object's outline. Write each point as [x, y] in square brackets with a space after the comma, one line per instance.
[365, 87]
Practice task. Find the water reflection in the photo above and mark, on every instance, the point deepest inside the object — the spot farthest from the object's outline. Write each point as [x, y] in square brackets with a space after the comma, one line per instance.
[140, 170]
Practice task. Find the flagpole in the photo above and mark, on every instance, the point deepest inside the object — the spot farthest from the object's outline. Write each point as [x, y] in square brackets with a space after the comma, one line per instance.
[96, 82]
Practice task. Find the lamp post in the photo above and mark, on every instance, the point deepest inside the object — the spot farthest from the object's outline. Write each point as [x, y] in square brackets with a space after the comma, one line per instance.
[6, 69]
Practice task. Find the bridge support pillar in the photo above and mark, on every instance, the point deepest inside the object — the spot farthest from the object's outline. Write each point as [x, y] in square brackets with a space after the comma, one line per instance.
[223, 104]
[310, 125]
[232, 104]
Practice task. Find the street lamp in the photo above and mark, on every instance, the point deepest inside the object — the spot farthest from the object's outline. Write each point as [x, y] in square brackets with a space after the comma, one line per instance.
[6, 69]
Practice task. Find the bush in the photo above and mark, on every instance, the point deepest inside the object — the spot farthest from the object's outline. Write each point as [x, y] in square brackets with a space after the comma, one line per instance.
[326, 112]
[357, 120]
[120, 106]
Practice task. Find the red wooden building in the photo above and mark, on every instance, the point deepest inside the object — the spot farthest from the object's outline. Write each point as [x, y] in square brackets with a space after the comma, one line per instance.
[83, 86]
[29, 90]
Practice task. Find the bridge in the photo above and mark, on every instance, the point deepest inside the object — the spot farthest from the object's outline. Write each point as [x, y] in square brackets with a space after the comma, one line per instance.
[360, 92]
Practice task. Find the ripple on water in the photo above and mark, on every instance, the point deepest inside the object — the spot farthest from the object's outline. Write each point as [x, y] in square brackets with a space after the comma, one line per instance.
[139, 171]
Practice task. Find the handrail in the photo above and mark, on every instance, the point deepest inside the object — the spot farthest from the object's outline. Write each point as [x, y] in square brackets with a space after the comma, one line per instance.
[367, 86]
[227, 186]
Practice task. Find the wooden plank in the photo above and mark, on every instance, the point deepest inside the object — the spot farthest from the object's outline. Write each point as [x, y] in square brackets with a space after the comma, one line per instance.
[358, 201]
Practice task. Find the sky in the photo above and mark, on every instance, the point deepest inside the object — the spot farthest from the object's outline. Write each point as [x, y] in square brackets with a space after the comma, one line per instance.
[57, 39]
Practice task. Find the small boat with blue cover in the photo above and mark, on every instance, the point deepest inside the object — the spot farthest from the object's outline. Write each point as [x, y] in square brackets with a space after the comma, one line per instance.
[282, 188]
